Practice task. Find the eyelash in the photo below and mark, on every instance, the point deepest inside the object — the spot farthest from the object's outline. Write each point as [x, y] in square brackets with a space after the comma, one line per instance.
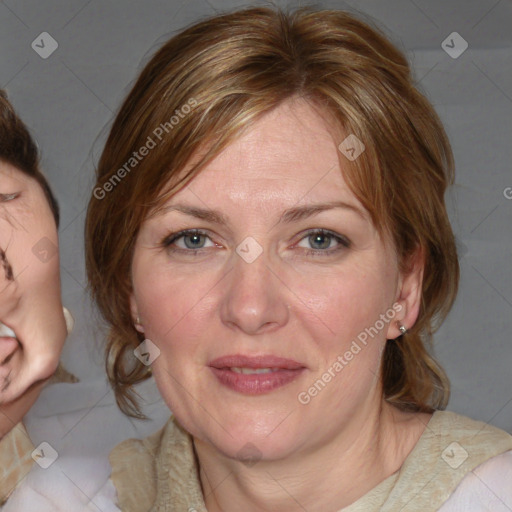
[344, 243]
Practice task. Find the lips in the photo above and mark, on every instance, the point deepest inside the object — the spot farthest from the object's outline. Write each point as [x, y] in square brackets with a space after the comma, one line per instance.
[255, 375]
[265, 361]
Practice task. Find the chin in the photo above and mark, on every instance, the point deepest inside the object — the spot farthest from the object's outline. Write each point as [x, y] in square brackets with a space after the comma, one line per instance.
[251, 448]
[254, 440]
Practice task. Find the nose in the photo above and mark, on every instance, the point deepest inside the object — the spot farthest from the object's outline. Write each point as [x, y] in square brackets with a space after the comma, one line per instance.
[255, 300]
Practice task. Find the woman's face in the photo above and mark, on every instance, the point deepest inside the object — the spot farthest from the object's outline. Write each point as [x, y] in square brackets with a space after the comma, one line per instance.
[285, 271]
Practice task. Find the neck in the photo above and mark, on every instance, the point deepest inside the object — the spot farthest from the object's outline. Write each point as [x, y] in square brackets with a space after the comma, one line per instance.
[367, 450]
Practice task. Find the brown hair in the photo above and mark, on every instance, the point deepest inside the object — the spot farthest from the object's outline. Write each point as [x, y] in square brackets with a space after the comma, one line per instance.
[19, 149]
[207, 84]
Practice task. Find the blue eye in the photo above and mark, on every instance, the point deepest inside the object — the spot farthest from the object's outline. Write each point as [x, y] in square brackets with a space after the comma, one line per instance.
[193, 239]
[321, 242]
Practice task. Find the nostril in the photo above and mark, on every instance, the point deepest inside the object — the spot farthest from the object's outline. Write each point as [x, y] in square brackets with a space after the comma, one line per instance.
[6, 265]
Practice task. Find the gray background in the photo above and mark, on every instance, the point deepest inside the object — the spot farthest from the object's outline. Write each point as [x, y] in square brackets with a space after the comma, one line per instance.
[68, 100]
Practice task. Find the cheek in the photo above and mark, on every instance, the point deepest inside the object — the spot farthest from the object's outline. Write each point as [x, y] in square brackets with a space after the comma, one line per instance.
[33, 251]
[345, 302]
[348, 333]
[177, 317]
[174, 307]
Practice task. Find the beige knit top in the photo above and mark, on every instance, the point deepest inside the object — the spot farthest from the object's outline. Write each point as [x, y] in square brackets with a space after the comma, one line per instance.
[160, 473]
[15, 460]
[16, 447]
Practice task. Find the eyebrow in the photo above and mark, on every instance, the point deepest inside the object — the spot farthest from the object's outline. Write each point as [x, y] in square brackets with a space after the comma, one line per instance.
[303, 212]
[288, 216]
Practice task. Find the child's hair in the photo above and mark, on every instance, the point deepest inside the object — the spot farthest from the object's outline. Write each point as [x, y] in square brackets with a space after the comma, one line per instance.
[19, 149]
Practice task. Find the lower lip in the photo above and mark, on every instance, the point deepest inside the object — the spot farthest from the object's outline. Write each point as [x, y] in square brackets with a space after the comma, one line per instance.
[256, 383]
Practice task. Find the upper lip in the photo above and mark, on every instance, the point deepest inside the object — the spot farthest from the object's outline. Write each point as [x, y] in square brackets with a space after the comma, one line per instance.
[263, 361]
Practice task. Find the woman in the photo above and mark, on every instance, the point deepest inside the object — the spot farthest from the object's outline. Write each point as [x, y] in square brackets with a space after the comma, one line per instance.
[33, 323]
[268, 238]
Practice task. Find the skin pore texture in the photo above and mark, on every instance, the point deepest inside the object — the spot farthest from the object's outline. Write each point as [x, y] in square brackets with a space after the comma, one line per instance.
[30, 296]
[305, 298]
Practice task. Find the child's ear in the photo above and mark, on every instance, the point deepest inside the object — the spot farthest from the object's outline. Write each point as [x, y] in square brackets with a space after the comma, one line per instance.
[408, 298]
[135, 315]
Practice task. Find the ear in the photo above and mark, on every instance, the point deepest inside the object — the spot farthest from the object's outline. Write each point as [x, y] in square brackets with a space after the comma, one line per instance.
[135, 315]
[408, 297]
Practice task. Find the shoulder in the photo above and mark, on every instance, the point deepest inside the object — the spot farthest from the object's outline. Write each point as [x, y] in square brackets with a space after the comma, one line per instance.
[15, 459]
[487, 487]
[133, 470]
[451, 449]
[147, 448]
[136, 464]
[470, 433]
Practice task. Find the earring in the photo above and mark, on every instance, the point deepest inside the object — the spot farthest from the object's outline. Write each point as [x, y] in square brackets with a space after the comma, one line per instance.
[137, 324]
[402, 329]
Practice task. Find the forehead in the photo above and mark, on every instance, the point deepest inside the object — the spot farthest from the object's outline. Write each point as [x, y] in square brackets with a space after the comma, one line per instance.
[12, 176]
[289, 155]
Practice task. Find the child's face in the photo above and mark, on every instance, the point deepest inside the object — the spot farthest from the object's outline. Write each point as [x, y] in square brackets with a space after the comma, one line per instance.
[30, 301]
